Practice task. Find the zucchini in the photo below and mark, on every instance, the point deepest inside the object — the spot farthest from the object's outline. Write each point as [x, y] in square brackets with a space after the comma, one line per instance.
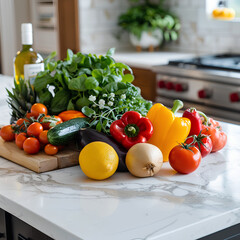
[65, 132]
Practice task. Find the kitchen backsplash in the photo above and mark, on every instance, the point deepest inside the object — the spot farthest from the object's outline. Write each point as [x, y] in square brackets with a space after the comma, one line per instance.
[199, 33]
[98, 25]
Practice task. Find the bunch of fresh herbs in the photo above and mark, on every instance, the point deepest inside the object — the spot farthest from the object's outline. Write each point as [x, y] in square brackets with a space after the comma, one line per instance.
[95, 85]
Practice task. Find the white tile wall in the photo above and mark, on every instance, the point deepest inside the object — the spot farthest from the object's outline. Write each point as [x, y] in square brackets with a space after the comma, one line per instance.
[98, 25]
[199, 33]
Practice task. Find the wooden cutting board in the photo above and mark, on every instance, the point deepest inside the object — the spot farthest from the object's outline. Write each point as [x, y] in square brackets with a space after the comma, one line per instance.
[39, 162]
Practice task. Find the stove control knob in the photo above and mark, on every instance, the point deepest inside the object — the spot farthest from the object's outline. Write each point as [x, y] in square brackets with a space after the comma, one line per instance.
[181, 87]
[204, 93]
[235, 97]
[161, 84]
[169, 85]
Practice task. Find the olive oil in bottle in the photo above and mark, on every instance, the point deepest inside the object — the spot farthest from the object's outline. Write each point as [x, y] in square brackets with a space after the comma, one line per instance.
[27, 62]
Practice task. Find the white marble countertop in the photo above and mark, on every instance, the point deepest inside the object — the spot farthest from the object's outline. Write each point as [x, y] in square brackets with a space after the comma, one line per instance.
[65, 204]
[147, 60]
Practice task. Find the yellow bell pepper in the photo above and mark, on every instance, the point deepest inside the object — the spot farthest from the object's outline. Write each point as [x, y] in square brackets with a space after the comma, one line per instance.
[168, 130]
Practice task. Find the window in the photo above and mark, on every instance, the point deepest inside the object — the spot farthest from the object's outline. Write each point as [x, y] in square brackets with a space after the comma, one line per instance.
[223, 9]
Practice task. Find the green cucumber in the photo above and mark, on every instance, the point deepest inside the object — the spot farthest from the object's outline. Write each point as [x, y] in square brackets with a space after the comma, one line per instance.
[65, 132]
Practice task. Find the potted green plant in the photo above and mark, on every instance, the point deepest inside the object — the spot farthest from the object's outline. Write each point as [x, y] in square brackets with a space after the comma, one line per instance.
[149, 24]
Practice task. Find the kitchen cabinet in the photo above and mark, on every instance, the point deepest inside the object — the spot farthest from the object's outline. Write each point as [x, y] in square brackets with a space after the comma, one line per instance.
[145, 79]
[232, 233]
[12, 228]
[3, 230]
[51, 20]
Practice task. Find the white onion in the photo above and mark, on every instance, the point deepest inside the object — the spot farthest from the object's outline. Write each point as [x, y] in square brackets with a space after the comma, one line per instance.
[144, 160]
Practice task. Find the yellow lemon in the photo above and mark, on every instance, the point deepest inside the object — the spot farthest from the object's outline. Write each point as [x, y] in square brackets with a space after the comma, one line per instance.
[98, 160]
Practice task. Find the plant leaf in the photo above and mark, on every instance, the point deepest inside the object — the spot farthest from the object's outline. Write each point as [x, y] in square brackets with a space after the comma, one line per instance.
[81, 102]
[91, 83]
[78, 84]
[41, 82]
[110, 52]
[89, 112]
[128, 78]
[60, 101]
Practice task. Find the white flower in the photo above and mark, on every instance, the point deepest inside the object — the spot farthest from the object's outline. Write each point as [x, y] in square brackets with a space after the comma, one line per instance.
[112, 99]
[101, 106]
[104, 95]
[110, 103]
[112, 95]
[92, 98]
[123, 96]
[101, 102]
[94, 105]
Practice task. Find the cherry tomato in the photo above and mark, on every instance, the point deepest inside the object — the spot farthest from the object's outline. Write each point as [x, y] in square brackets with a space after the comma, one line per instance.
[37, 109]
[31, 145]
[45, 124]
[59, 119]
[34, 129]
[184, 158]
[22, 122]
[29, 115]
[218, 137]
[20, 139]
[202, 142]
[50, 149]
[43, 137]
[7, 133]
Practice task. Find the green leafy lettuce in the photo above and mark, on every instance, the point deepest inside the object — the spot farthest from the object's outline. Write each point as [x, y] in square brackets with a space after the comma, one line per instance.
[95, 85]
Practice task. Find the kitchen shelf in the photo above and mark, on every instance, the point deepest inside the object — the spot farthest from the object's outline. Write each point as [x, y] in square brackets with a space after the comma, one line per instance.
[44, 19]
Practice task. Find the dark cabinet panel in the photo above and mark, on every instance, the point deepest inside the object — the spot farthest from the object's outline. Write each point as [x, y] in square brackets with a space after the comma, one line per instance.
[232, 233]
[3, 230]
[12, 228]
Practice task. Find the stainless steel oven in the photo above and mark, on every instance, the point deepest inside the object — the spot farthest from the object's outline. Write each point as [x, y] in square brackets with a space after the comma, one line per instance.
[211, 84]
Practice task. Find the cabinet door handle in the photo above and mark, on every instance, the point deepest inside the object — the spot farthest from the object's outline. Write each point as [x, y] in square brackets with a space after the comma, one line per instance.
[20, 237]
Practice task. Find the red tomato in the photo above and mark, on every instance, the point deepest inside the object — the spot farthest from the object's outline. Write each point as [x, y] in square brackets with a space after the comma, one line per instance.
[20, 139]
[7, 133]
[59, 119]
[31, 145]
[22, 122]
[43, 137]
[37, 109]
[184, 159]
[47, 125]
[218, 137]
[29, 115]
[50, 149]
[202, 142]
[34, 129]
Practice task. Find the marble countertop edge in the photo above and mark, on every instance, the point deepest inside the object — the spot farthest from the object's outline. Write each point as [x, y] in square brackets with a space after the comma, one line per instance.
[204, 227]
[39, 222]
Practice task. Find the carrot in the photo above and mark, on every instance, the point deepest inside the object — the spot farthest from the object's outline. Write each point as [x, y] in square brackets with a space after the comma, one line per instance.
[70, 114]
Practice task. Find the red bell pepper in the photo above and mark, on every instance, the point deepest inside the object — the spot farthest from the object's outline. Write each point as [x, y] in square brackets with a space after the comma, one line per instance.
[132, 128]
[196, 122]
